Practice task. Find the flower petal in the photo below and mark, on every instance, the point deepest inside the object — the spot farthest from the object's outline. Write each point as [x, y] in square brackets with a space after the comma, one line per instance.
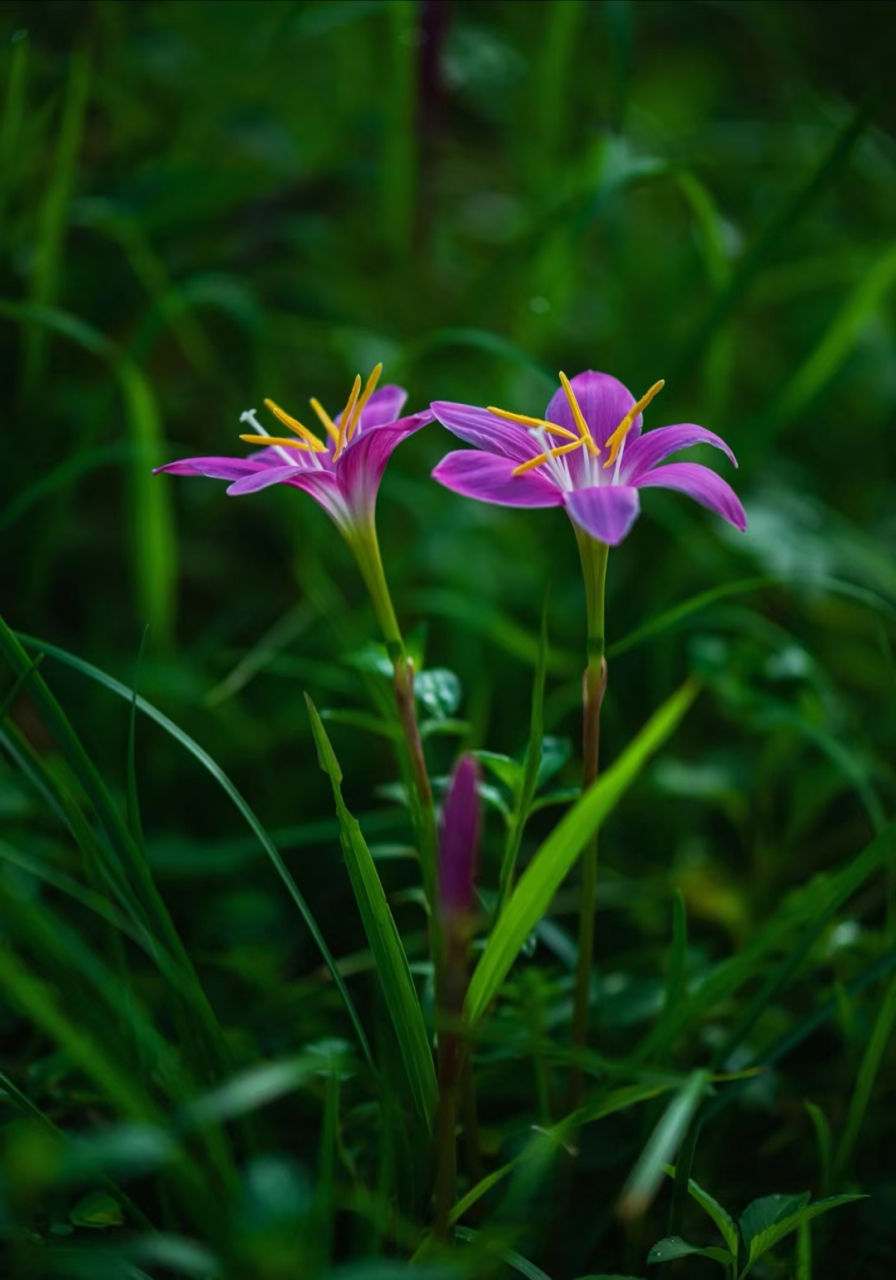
[214, 468]
[486, 431]
[488, 478]
[701, 484]
[604, 402]
[262, 478]
[384, 406]
[606, 512]
[640, 455]
[360, 467]
[324, 488]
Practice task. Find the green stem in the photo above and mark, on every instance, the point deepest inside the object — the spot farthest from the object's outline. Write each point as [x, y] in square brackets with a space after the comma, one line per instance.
[365, 546]
[593, 555]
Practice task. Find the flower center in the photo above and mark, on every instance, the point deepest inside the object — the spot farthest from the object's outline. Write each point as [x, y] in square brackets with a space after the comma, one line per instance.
[339, 435]
[613, 442]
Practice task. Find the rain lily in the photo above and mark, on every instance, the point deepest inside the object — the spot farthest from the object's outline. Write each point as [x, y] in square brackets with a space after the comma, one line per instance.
[587, 454]
[341, 469]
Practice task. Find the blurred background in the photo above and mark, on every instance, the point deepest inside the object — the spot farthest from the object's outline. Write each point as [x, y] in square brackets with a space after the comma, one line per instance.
[206, 204]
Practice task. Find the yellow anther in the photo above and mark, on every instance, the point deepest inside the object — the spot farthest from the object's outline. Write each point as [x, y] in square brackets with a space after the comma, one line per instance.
[530, 463]
[578, 416]
[525, 421]
[614, 442]
[294, 425]
[325, 420]
[286, 441]
[346, 416]
[365, 396]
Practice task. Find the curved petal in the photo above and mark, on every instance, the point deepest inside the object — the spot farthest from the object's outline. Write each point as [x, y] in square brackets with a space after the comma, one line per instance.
[384, 406]
[486, 431]
[360, 467]
[606, 512]
[604, 402]
[263, 478]
[701, 484]
[214, 468]
[324, 488]
[640, 455]
[488, 478]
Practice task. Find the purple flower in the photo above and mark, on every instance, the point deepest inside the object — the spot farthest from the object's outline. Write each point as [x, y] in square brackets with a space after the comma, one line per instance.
[587, 454]
[459, 842]
[342, 472]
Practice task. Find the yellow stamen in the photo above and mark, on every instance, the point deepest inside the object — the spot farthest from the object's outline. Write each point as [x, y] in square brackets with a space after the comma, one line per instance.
[367, 393]
[543, 457]
[286, 441]
[294, 425]
[325, 420]
[525, 421]
[578, 416]
[346, 415]
[614, 442]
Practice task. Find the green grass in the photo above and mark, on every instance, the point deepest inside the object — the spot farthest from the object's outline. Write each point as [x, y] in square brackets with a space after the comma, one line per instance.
[218, 1003]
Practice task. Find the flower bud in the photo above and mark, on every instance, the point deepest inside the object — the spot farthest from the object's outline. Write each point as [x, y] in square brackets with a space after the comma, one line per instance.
[459, 842]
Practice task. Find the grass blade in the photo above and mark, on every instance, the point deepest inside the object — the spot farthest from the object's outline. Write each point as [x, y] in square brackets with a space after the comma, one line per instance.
[780, 226]
[880, 1037]
[154, 542]
[837, 341]
[115, 686]
[647, 1174]
[385, 941]
[555, 858]
[54, 215]
[531, 766]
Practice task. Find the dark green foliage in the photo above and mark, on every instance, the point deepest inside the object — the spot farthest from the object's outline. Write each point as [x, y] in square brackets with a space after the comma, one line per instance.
[205, 1036]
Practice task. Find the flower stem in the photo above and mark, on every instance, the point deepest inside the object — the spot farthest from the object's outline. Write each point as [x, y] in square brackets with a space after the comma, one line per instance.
[594, 683]
[365, 545]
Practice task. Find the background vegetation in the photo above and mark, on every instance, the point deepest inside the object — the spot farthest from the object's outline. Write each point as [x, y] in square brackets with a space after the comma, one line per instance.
[204, 204]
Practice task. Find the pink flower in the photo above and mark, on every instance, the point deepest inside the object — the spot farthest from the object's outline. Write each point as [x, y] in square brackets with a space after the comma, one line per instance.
[587, 454]
[341, 472]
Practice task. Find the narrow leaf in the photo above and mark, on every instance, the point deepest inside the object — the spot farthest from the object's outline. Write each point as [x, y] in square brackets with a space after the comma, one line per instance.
[554, 859]
[383, 936]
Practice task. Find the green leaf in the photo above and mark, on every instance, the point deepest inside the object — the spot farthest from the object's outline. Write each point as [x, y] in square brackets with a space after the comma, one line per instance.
[674, 1247]
[765, 1238]
[246, 1092]
[642, 1183]
[97, 1210]
[766, 1211]
[554, 754]
[825, 1144]
[505, 769]
[524, 790]
[382, 934]
[720, 1216]
[555, 858]
[838, 339]
[439, 691]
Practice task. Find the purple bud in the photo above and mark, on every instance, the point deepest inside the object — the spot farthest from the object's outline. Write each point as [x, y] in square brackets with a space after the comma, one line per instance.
[459, 840]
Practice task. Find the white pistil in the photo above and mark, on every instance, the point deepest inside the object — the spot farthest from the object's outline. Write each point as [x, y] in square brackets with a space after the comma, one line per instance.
[248, 415]
[615, 479]
[557, 467]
